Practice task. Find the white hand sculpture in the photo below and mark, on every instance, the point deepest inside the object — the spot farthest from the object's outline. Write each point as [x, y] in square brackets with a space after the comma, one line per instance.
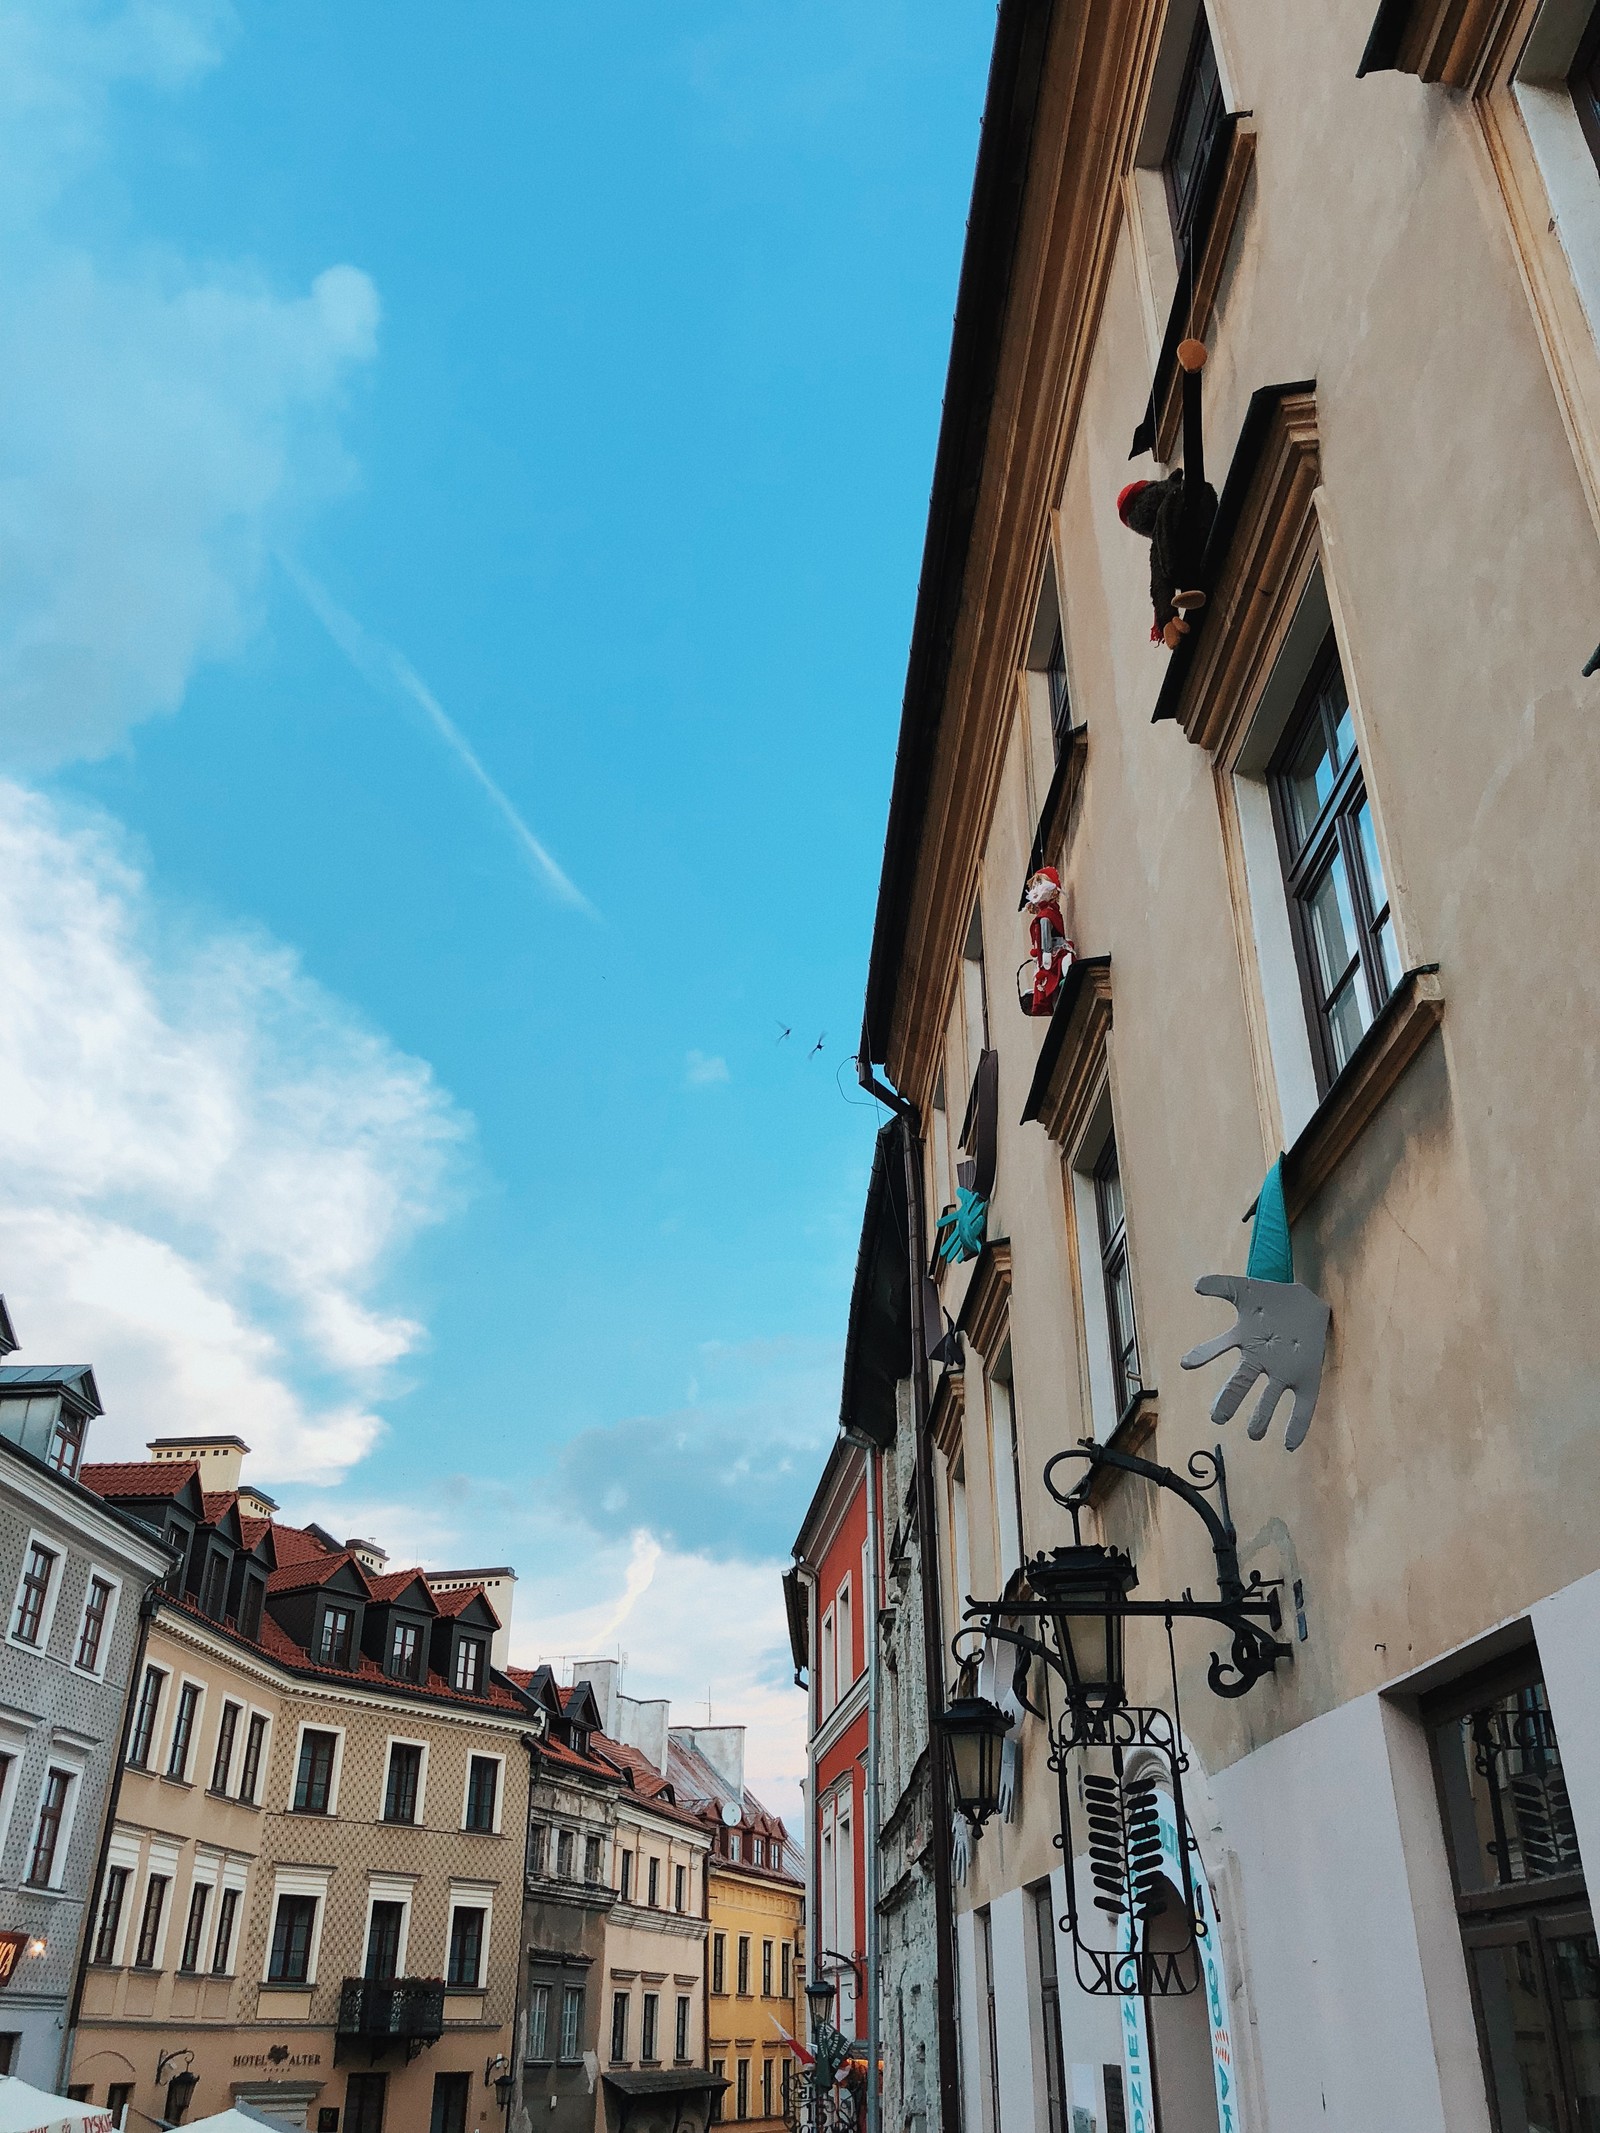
[1281, 1333]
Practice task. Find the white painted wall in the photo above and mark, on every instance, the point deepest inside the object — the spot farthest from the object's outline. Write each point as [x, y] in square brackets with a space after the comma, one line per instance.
[1022, 2099]
[969, 2018]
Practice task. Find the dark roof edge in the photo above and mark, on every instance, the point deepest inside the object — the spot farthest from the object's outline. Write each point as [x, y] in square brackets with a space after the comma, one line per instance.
[1389, 25]
[882, 1205]
[138, 1528]
[999, 184]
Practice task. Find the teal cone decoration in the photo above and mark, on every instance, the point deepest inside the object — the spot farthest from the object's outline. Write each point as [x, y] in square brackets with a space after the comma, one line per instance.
[960, 1230]
[1271, 1251]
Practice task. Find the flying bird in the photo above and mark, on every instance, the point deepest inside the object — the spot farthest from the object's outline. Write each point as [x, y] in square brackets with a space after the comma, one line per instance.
[817, 1047]
[787, 1031]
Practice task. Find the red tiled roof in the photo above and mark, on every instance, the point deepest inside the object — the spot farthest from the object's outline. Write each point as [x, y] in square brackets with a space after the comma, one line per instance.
[139, 1477]
[391, 1583]
[277, 1644]
[252, 1529]
[569, 1759]
[217, 1501]
[314, 1571]
[295, 1545]
[452, 1604]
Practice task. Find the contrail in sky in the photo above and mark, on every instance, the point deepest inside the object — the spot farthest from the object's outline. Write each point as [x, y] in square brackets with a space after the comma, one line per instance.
[385, 668]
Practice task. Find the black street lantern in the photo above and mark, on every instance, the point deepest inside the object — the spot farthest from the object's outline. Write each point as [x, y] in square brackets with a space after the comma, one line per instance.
[503, 2086]
[819, 1998]
[1082, 1589]
[974, 1732]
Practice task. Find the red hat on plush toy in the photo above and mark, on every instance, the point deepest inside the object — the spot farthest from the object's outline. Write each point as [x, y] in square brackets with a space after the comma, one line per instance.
[1126, 496]
[1044, 887]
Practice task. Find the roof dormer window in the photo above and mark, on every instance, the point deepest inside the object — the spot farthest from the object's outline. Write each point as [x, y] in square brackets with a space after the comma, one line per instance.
[66, 1444]
[469, 1667]
[405, 1651]
[214, 1588]
[336, 1636]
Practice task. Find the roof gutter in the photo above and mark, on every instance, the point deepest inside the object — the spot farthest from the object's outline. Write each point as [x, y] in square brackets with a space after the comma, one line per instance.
[994, 221]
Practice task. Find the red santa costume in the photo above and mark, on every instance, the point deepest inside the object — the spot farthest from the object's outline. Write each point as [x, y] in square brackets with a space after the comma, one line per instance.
[1052, 952]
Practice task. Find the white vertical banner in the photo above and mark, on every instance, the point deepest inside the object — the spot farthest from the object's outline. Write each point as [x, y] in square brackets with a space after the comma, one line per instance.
[1213, 1983]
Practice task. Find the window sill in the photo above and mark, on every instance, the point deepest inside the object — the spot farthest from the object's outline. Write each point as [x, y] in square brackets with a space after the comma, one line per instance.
[179, 1784]
[1136, 1426]
[1410, 1015]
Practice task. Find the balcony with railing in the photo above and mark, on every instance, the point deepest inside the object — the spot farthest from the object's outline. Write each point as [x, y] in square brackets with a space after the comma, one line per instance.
[391, 2010]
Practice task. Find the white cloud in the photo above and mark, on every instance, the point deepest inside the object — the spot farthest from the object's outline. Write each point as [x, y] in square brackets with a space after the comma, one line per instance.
[164, 424]
[703, 1071]
[205, 1161]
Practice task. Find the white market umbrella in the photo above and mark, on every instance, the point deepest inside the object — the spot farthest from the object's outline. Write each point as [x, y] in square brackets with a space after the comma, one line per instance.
[238, 2118]
[25, 2109]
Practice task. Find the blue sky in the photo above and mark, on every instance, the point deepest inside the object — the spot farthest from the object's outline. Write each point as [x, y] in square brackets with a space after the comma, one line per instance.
[462, 478]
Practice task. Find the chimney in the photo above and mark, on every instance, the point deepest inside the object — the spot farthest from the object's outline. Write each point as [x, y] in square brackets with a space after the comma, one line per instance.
[368, 1554]
[218, 1458]
[723, 1748]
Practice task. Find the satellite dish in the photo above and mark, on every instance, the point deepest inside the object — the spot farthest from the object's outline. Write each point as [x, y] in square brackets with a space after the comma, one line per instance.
[731, 1815]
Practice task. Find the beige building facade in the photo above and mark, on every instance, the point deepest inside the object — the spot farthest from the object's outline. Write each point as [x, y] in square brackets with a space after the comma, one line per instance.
[1324, 869]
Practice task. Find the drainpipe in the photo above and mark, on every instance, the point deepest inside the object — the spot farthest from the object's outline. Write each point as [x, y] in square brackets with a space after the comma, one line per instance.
[874, 1599]
[147, 1614]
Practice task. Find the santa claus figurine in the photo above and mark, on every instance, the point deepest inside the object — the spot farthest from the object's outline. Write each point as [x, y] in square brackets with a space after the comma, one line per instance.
[1052, 952]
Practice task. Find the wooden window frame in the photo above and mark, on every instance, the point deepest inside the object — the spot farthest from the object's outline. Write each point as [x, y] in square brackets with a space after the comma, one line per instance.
[1127, 1380]
[1182, 200]
[1307, 860]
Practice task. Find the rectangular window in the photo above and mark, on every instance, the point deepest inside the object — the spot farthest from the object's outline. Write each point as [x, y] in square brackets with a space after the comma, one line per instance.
[626, 1889]
[680, 2035]
[155, 1897]
[647, 2025]
[250, 1607]
[1116, 2099]
[118, 2097]
[483, 1777]
[680, 1877]
[451, 2098]
[90, 1636]
[1055, 674]
[591, 1859]
[105, 1938]
[214, 1595]
[189, 1959]
[1194, 124]
[1055, 2071]
[826, 1682]
[538, 2021]
[619, 2027]
[183, 1730]
[222, 1947]
[405, 1651]
[766, 2088]
[718, 2067]
[845, 1645]
[719, 1947]
[1338, 902]
[466, 1949]
[566, 1845]
[227, 1732]
[47, 1836]
[572, 2022]
[66, 1444]
[34, 1591]
[384, 1928]
[313, 1780]
[290, 1960]
[1526, 1926]
[469, 1665]
[538, 1845]
[744, 1965]
[364, 2098]
[654, 1885]
[1112, 1217]
[742, 2090]
[250, 1776]
[766, 1970]
[333, 1646]
[785, 1973]
[404, 1779]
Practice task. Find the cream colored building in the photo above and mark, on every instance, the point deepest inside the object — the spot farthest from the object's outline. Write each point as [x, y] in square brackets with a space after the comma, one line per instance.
[312, 1892]
[1328, 870]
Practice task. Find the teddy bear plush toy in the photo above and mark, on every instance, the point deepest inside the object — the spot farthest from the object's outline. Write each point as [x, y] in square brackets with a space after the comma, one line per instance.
[1051, 951]
[1175, 516]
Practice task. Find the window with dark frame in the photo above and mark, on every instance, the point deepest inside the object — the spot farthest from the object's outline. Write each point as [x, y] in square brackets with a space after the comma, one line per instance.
[1195, 119]
[250, 1776]
[469, 1666]
[718, 2069]
[1111, 1215]
[538, 2022]
[619, 2027]
[66, 1445]
[290, 1960]
[35, 1591]
[96, 1606]
[116, 1894]
[403, 1782]
[653, 1885]
[333, 1646]
[742, 2089]
[384, 1927]
[565, 1848]
[222, 1761]
[744, 1965]
[214, 1594]
[719, 1951]
[625, 1890]
[1055, 675]
[183, 1731]
[118, 2097]
[47, 1836]
[364, 2098]
[572, 2022]
[222, 1947]
[405, 1651]
[313, 1778]
[648, 2023]
[194, 1926]
[452, 2098]
[680, 2035]
[465, 1967]
[250, 1599]
[155, 1897]
[766, 1969]
[766, 2088]
[991, 2024]
[591, 1858]
[1522, 1902]
[1338, 901]
[1583, 81]
[483, 1777]
[142, 1737]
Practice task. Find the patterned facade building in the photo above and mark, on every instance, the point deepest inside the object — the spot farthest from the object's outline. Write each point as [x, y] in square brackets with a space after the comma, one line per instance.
[74, 1577]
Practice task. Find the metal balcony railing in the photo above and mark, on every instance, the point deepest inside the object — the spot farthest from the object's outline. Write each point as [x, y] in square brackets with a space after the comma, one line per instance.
[408, 2009]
